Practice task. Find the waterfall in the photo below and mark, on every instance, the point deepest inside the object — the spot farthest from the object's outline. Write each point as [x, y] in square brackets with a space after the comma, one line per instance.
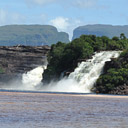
[29, 81]
[85, 75]
[81, 80]
[88, 72]
[32, 78]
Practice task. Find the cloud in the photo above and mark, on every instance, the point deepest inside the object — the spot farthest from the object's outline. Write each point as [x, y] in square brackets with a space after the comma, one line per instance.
[62, 3]
[89, 4]
[39, 2]
[7, 18]
[17, 18]
[61, 23]
[2, 16]
[66, 24]
[43, 18]
[68, 3]
[85, 3]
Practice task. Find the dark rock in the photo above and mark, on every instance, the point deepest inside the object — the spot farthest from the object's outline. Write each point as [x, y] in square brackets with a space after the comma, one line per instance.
[81, 60]
[19, 59]
[120, 90]
[67, 73]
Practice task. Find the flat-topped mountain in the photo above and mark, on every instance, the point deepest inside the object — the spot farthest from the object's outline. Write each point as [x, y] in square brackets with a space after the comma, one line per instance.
[100, 30]
[33, 35]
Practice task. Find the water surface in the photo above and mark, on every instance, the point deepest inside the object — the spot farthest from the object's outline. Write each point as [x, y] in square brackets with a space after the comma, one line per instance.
[42, 110]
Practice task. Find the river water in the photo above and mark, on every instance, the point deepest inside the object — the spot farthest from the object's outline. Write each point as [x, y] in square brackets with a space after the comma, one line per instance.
[43, 110]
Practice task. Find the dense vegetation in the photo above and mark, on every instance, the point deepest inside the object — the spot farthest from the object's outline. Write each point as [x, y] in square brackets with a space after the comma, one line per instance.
[32, 35]
[64, 57]
[115, 74]
[100, 30]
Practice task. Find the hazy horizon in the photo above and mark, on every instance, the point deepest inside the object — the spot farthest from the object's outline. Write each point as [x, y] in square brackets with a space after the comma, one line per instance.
[64, 15]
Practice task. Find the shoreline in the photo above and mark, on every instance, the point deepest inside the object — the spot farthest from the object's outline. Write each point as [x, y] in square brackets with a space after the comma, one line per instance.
[62, 94]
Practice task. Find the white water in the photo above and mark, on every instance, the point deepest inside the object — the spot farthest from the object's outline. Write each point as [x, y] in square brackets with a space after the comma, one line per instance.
[85, 75]
[29, 80]
[32, 78]
[81, 80]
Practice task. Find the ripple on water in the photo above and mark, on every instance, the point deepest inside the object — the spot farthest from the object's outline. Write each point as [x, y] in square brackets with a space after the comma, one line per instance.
[30, 110]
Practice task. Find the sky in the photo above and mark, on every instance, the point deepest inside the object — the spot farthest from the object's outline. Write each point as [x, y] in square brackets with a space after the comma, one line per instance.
[66, 15]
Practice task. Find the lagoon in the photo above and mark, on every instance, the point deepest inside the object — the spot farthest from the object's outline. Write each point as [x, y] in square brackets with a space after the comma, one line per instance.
[50, 110]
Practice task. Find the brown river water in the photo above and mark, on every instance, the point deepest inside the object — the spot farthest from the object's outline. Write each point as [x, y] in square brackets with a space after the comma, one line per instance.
[43, 110]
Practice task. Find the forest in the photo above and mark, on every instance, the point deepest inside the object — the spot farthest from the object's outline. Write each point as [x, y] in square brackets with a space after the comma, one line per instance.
[64, 57]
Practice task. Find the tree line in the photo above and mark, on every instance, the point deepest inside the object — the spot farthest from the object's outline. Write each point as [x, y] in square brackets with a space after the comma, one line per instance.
[63, 57]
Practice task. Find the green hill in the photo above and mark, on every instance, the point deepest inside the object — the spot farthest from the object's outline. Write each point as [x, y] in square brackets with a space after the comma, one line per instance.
[100, 30]
[31, 35]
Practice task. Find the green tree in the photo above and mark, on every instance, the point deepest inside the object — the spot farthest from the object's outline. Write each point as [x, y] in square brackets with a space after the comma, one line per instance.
[122, 36]
[115, 38]
[64, 57]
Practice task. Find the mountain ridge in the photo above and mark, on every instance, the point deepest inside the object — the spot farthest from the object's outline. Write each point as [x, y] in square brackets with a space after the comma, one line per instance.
[100, 30]
[34, 35]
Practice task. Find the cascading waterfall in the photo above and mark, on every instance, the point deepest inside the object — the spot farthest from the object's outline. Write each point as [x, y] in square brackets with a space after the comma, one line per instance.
[81, 80]
[85, 75]
[88, 72]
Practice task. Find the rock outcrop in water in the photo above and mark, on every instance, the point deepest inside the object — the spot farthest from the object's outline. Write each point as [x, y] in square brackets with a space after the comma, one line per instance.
[17, 60]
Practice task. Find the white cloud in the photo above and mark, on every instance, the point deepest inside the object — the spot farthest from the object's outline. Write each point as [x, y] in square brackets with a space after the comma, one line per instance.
[61, 23]
[66, 24]
[74, 23]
